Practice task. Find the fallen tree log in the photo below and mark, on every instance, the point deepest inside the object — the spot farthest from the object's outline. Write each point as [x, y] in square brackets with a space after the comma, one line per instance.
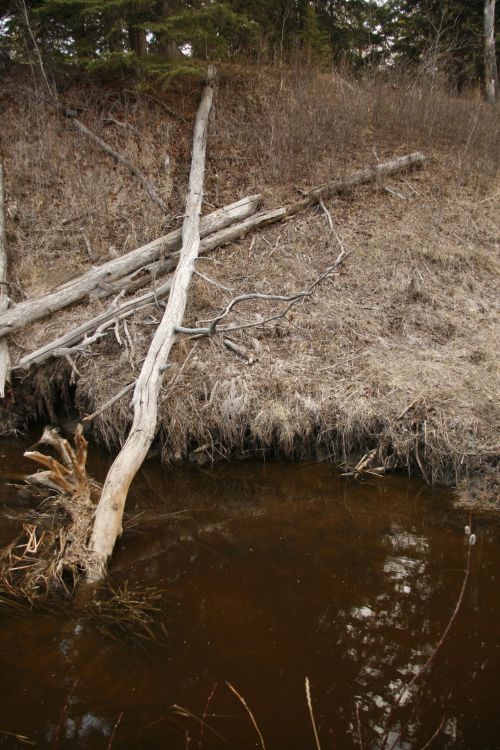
[22, 314]
[4, 298]
[211, 242]
[109, 512]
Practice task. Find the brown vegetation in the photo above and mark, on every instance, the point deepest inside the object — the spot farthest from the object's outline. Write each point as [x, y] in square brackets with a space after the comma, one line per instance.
[396, 351]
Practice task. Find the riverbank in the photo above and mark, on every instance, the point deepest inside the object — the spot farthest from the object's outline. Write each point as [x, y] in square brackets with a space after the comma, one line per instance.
[396, 351]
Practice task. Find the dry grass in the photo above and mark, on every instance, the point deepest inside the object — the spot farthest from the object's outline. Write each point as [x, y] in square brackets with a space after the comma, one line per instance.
[398, 350]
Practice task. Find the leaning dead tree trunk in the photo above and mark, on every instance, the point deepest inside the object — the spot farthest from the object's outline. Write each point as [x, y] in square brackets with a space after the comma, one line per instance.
[109, 513]
[224, 236]
[490, 58]
[32, 310]
[4, 300]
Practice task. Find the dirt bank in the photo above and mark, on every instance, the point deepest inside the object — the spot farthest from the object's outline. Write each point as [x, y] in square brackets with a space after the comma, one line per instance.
[398, 350]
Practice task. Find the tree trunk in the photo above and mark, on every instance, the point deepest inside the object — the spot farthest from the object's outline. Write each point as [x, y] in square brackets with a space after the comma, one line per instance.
[31, 310]
[490, 59]
[4, 299]
[167, 47]
[109, 513]
[137, 40]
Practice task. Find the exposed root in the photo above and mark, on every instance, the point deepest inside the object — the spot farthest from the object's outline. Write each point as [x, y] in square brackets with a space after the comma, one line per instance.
[51, 551]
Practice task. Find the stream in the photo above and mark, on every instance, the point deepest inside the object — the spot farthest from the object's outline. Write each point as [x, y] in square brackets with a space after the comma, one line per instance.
[269, 572]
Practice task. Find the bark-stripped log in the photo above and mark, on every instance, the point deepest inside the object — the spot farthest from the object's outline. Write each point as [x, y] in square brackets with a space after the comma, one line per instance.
[32, 310]
[217, 239]
[4, 298]
[109, 512]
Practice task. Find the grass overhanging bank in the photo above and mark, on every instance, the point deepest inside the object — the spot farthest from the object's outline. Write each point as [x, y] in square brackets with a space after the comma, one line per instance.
[397, 351]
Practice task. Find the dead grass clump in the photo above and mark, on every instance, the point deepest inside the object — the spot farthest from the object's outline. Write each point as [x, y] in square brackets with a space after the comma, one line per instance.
[298, 127]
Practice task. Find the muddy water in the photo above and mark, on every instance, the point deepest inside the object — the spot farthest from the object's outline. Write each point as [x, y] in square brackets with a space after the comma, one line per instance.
[273, 572]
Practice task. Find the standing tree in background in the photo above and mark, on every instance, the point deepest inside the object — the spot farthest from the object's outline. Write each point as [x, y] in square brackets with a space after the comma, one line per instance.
[490, 58]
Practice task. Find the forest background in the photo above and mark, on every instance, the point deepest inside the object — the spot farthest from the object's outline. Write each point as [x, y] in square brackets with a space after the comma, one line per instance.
[160, 39]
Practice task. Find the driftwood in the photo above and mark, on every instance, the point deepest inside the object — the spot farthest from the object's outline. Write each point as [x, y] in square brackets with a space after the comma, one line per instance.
[211, 242]
[27, 312]
[4, 299]
[109, 512]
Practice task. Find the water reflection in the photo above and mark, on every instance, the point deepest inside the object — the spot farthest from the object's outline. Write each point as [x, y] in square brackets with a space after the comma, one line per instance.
[274, 572]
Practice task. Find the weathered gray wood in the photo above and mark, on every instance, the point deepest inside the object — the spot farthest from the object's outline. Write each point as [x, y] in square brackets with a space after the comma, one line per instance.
[109, 512]
[20, 315]
[490, 58]
[4, 299]
[211, 242]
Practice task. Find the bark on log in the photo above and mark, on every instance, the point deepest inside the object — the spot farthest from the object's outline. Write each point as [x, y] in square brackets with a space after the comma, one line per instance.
[32, 310]
[109, 512]
[211, 242]
[490, 58]
[4, 298]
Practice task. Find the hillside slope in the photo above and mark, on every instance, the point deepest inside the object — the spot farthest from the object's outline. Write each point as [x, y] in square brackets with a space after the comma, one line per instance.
[398, 350]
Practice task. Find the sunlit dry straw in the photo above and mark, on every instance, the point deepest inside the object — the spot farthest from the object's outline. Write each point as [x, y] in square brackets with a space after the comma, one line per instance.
[249, 712]
[311, 713]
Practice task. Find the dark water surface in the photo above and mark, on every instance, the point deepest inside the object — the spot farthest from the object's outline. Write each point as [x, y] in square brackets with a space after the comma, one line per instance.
[274, 572]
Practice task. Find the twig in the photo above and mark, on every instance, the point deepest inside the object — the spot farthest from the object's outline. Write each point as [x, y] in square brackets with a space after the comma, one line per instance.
[178, 375]
[109, 403]
[167, 109]
[145, 181]
[345, 361]
[395, 193]
[358, 725]
[238, 351]
[52, 93]
[292, 299]
[124, 125]
[117, 723]
[62, 717]
[431, 740]
[405, 689]
[5, 360]
[332, 226]
[214, 283]
[311, 713]
[249, 712]
[204, 716]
